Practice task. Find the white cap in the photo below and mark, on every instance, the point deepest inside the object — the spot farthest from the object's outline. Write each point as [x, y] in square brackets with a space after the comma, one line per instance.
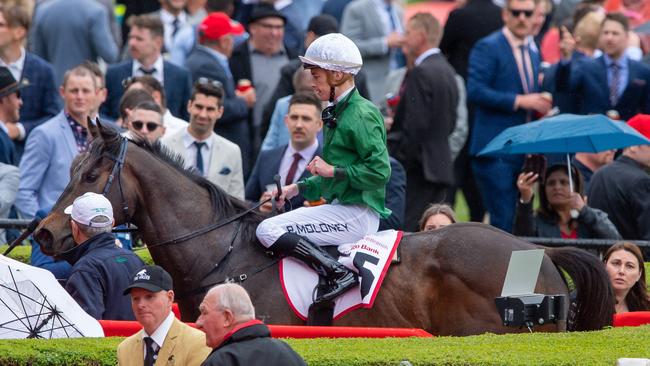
[334, 52]
[88, 206]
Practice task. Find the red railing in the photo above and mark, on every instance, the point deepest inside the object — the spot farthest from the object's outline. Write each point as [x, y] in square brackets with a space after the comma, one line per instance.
[632, 319]
[117, 328]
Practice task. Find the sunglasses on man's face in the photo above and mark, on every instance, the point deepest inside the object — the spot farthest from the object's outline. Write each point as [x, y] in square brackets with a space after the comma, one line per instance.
[151, 126]
[516, 13]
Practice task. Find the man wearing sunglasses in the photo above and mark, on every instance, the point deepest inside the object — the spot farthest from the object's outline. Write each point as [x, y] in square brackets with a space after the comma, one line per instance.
[145, 121]
[503, 84]
[351, 174]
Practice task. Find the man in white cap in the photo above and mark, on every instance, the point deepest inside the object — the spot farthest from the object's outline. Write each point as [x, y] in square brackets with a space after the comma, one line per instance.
[351, 175]
[100, 269]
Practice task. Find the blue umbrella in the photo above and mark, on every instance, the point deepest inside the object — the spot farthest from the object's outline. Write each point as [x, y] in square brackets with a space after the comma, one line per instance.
[565, 133]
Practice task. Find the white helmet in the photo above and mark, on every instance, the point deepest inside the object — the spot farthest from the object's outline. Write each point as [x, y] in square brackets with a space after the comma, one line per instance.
[334, 52]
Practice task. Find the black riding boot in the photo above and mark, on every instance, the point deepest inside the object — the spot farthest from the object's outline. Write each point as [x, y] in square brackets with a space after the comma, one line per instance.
[340, 277]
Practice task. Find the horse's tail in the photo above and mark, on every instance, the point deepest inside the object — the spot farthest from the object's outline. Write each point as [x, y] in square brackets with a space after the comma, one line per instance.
[595, 301]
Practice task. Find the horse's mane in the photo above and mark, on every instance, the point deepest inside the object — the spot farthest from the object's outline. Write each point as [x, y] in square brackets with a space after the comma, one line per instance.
[221, 202]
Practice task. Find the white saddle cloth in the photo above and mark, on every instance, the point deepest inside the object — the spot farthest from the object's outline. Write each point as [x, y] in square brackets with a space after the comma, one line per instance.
[369, 257]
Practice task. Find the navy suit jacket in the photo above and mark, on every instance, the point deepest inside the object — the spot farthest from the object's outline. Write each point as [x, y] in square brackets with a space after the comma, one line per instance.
[590, 91]
[41, 97]
[233, 123]
[178, 88]
[7, 149]
[267, 166]
[556, 81]
[492, 85]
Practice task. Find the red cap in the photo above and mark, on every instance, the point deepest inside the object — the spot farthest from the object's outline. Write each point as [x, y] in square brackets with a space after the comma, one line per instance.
[641, 123]
[217, 25]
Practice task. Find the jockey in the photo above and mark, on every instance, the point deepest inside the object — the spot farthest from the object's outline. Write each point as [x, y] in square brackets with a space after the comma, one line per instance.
[351, 174]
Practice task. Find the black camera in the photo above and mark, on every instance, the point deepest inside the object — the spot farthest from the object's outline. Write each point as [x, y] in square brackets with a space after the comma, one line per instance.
[531, 310]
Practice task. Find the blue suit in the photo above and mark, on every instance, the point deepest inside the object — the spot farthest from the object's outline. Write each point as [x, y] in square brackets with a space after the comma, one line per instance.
[178, 88]
[556, 82]
[589, 89]
[41, 97]
[267, 166]
[69, 32]
[493, 84]
[45, 166]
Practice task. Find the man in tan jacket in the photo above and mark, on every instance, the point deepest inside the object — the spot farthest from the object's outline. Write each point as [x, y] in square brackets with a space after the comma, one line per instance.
[164, 340]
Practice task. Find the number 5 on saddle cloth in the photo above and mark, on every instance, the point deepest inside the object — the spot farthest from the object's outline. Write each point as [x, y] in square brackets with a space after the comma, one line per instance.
[370, 257]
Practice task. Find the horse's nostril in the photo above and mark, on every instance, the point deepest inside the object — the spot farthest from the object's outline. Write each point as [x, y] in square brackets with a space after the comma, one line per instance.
[44, 237]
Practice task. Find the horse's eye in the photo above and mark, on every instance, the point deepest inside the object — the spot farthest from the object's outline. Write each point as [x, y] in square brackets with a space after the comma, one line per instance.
[91, 177]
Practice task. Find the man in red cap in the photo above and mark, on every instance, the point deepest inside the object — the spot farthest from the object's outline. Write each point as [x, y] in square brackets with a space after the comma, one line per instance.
[209, 59]
[622, 188]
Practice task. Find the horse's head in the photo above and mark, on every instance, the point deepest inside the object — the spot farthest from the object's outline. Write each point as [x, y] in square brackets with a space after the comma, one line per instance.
[90, 172]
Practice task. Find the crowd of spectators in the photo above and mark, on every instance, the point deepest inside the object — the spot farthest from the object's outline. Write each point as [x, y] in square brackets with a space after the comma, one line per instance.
[219, 83]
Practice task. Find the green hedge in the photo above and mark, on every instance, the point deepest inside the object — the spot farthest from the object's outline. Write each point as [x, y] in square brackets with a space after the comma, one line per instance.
[588, 348]
[23, 252]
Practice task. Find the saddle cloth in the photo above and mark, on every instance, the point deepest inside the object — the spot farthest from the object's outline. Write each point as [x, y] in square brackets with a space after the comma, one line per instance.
[369, 257]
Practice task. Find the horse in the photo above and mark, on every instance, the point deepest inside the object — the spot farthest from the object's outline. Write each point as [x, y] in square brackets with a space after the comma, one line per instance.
[445, 284]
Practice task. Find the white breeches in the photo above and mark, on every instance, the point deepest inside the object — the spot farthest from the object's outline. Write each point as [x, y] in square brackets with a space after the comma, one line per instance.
[329, 224]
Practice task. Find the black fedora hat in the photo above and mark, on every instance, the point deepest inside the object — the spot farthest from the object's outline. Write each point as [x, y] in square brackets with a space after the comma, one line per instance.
[262, 11]
[8, 84]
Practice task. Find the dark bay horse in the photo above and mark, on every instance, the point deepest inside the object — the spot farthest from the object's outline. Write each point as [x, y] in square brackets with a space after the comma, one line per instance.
[445, 284]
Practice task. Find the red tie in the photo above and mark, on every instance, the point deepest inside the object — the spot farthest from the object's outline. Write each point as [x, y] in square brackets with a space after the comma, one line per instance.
[292, 169]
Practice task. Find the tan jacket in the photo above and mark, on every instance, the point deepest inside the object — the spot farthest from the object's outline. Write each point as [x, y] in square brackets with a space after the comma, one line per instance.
[183, 345]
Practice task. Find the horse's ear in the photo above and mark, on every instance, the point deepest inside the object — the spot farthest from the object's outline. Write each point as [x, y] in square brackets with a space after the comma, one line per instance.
[105, 131]
[93, 128]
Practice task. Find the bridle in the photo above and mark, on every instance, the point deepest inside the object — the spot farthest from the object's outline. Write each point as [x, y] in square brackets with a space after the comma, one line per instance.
[115, 172]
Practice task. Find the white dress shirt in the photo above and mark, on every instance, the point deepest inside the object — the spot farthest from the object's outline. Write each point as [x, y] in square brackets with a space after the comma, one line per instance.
[16, 67]
[191, 150]
[159, 334]
[168, 24]
[172, 124]
[287, 160]
[158, 66]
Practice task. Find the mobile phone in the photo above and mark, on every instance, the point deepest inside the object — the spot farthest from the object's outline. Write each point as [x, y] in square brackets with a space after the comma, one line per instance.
[535, 163]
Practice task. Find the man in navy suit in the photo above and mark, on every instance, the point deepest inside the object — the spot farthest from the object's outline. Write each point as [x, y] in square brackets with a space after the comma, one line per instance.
[611, 84]
[209, 59]
[289, 161]
[40, 97]
[145, 45]
[503, 83]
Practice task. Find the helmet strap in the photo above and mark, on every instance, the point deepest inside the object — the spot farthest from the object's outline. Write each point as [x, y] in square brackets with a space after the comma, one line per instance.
[333, 84]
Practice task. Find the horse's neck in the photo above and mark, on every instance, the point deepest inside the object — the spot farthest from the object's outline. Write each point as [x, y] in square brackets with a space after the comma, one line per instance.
[169, 203]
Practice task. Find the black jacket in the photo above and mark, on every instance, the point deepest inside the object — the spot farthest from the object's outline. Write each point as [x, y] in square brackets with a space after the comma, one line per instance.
[100, 272]
[419, 138]
[464, 27]
[622, 190]
[251, 345]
